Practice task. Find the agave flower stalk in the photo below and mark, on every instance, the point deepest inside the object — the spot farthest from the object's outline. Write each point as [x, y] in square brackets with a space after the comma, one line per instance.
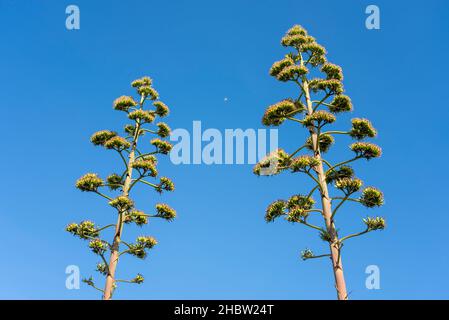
[318, 102]
[138, 167]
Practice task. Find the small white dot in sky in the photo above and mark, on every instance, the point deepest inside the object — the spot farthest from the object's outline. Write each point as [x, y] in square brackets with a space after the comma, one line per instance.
[225, 99]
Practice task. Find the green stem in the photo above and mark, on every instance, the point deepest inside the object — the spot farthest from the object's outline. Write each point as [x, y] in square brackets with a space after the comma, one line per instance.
[336, 132]
[341, 163]
[353, 235]
[103, 195]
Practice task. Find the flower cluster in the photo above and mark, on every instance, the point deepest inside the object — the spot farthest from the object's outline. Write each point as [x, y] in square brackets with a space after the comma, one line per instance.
[121, 203]
[330, 86]
[166, 184]
[362, 128]
[163, 130]
[100, 137]
[275, 210]
[162, 146]
[325, 142]
[303, 163]
[366, 150]
[307, 254]
[340, 103]
[98, 246]
[348, 185]
[117, 143]
[138, 279]
[123, 103]
[292, 73]
[84, 230]
[89, 182]
[102, 268]
[161, 109]
[165, 212]
[142, 244]
[145, 167]
[114, 181]
[276, 114]
[143, 116]
[372, 224]
[144, 81]
[136, 216]
[319, 117]
[372, 197]
[273, 163]
[343, 172]
[332, 71]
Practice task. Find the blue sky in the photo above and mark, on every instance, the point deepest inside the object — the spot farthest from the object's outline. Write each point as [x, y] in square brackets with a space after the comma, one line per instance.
[56, 90]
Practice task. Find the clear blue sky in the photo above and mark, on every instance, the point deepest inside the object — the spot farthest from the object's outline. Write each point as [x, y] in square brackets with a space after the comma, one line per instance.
[57, 87]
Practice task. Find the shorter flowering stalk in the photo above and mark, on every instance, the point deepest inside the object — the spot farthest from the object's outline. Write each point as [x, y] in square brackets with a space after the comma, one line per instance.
[145, 165]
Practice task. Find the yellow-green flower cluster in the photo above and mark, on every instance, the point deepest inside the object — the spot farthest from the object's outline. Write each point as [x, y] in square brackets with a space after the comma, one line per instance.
[332, 71]
[98, 246]
[319, 117]
[372, 224]
[276, 114]
[165, 212]
[340, 173]
[143, 116]
[114, 181]
[166, 184]
[144, 81]
[136, 216]
[303, 163]
[84, 230]
[162, 146]
[123, 103]
[89, 182]
[325, 142]
[148, 91]
[146, 166]
[117, 143]
[121, 203]
[348, 185]
[163, 130]
[100, 137]
[362, 128]
[307, 254]
[278, 66]
[330, 86]
[366, 150]
[340, 103]
[275, 210]
[102, 268]
[275, 161]
[372, 197]
[161, 108]
[138, 279]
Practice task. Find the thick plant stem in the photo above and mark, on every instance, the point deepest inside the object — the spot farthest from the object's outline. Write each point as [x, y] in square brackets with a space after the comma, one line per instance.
[334, 245]
[113, 260]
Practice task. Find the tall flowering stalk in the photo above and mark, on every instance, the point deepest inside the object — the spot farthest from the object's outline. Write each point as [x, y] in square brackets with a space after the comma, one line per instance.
[320, 99]
[138, 167]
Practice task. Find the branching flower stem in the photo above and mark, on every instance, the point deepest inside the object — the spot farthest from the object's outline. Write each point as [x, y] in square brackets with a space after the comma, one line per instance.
[113, 261]
[325, 200]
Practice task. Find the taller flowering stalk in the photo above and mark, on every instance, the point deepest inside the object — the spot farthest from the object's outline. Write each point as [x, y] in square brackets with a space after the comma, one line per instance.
[318, 112]
[138, 167]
